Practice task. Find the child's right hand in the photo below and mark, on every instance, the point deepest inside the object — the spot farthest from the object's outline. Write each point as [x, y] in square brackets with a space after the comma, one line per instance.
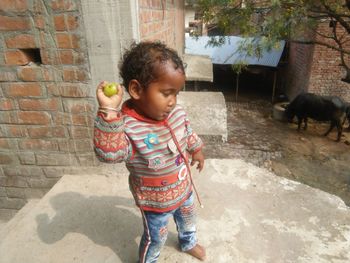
[111, 102]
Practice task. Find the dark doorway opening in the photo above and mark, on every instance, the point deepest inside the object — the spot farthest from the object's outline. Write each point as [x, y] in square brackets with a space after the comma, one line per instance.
[255, 83]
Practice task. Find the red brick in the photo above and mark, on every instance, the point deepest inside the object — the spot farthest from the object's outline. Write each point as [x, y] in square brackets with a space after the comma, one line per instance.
[13, 23]
[75, 41]
[68, 90]
[78, 106]
[77, 132]
[43, 40]
[15, 131]
[57, 159]
[65, 40]
[37, 144]
[7, 76]
[82, 75]
[29, 73]
[53, 89]
[47, 132]
[83, 145]
[61, 118]
[63, 5]
[83, 120]
[4, 144]
[21, 41]
[47, 58]
[8, 117]
[69, 75]
[59, 22]
[39, 22]
[34, 73]
[34, 117]
[72, 75]
[38, 105]
[29, 158]
[24, 90]
[51, 74]
[72, 22]
[7, 158]
[79, 58]
[7, 104]
[66, 57]
[66, 145]
[17, 57]
[13, 5]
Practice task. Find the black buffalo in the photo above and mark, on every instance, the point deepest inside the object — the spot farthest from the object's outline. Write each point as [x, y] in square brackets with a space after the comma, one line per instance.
[320, 108]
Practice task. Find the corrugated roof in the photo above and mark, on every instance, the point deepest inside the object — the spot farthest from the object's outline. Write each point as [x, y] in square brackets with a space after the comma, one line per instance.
[228, 54]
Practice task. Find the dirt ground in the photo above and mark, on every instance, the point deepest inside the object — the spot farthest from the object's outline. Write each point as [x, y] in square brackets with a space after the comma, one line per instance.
[305, 156]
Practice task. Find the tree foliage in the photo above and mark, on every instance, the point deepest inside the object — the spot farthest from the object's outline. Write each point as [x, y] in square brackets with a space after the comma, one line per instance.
[290, 20]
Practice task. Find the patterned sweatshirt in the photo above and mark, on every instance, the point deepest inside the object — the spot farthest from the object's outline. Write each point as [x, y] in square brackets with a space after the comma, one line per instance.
[158, 177]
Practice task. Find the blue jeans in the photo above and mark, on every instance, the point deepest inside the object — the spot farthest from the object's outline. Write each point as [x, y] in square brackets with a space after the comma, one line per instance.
[156, 230]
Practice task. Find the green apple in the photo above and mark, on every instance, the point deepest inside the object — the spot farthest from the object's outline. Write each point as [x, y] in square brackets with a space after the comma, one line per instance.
[110, 89]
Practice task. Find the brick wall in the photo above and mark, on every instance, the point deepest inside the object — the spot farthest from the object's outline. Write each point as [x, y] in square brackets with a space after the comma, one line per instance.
[162, 20]
[316, 69]
[326, 74]
[47, 101]
[46, 107]
[299, 65]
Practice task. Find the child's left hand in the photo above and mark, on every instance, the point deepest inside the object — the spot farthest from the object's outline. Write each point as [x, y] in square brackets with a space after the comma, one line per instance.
[198, 157]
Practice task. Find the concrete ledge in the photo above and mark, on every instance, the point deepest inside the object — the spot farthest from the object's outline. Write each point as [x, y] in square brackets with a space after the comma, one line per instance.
[13, 223]
[198, 68]
[206, 112]
[250, 215]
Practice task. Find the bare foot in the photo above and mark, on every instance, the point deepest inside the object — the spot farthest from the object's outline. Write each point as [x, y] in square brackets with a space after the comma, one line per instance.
[197, 251]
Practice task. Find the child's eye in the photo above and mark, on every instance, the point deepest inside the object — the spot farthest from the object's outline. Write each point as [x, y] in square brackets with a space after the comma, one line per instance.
[166, 94]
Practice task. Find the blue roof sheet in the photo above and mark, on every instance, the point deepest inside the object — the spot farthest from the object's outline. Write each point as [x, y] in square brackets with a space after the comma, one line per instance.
[228, 52]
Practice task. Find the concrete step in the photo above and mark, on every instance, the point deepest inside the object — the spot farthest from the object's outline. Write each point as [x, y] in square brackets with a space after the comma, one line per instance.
[13, 223]
[249, 215]
[209, 121]
[2, 226]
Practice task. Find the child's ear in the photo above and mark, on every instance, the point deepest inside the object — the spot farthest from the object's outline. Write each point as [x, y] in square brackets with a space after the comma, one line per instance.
[135, 89]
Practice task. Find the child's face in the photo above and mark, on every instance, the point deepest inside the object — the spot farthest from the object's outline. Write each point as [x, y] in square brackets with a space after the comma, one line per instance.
[159, 98]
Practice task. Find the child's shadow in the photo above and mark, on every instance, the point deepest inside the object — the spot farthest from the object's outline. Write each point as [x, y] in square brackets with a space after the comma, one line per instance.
[103, 219]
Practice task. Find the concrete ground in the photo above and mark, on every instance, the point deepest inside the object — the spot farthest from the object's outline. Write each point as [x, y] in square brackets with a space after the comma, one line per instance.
[249, 215]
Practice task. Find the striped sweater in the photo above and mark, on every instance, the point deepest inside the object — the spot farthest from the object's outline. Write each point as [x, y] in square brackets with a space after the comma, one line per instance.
[158, 178]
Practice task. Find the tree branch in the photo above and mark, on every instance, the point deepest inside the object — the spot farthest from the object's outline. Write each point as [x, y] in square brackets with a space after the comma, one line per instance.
[338, 18]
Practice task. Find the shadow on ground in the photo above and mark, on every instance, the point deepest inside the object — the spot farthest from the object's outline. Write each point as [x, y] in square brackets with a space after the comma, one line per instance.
[104, 220]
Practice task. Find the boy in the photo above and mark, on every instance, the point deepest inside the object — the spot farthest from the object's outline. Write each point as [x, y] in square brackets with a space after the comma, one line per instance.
[152, 135]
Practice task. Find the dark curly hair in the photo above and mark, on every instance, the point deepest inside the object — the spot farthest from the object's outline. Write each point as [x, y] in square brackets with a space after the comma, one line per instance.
[143, 61]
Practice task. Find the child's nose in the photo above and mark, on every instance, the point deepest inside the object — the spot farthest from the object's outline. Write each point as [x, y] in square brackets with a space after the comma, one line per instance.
[172, 101]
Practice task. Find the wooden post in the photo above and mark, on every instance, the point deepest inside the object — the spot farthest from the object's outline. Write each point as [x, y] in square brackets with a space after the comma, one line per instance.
[237, 83]
[274, 85]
